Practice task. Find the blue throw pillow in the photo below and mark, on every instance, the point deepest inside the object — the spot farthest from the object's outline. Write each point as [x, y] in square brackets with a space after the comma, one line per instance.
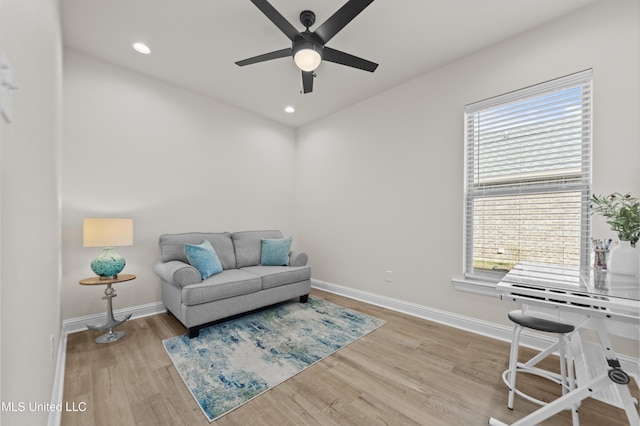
[275, 252]
[204, 258]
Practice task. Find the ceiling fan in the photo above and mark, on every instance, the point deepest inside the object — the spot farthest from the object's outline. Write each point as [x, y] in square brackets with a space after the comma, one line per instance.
[308, 48]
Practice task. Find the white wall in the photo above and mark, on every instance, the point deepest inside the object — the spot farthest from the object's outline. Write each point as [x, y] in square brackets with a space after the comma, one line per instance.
[380, 185]
[29, 208]
[173, 160]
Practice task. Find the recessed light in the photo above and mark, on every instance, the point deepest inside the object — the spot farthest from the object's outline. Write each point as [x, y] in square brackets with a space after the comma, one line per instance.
[290, 109]
[142, 48]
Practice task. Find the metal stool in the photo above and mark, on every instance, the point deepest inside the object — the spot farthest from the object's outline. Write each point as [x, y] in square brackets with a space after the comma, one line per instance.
[566, 378]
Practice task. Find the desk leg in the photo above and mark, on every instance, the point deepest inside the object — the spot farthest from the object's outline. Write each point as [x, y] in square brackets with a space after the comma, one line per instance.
[586, 390]
[562, 403]
[618, 377]
[109, 294]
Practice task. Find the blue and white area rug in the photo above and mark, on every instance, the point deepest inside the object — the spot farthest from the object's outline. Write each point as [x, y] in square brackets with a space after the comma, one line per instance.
[237, 360]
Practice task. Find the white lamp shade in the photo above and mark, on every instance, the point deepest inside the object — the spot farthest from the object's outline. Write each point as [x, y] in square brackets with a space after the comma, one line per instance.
[307, 59]
[107, 232]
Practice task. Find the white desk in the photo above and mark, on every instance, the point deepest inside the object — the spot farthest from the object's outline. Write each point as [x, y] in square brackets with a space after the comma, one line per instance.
[606, 303]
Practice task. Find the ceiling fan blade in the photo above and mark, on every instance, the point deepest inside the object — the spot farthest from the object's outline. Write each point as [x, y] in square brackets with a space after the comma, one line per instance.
[307, 81]
[340, 19]
[338, 57]
[266, 57]
[275, 17]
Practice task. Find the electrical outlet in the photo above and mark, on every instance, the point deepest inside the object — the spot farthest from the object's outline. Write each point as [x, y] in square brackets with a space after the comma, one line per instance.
[388, 276]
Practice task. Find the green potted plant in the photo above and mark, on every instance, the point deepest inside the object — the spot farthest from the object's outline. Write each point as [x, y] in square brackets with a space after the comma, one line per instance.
[622, 213]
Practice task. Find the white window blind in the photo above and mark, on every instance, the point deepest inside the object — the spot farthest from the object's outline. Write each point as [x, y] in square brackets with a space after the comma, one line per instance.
[527, 186]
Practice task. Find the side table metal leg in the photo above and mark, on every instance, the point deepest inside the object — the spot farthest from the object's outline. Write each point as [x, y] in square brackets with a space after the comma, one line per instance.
[111, 336]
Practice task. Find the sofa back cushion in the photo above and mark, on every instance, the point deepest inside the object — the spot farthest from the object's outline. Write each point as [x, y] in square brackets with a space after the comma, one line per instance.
[172, 246]
[248, 246]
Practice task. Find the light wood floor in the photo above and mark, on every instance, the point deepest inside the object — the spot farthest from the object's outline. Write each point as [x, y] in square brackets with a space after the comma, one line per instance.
[408, 372]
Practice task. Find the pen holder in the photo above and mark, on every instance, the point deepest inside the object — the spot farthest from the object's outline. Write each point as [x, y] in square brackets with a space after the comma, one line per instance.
[600, 258]
[600, 278]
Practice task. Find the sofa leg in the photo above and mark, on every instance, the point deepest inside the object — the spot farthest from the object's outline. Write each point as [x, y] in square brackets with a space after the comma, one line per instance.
[303, 299]
[194, 332]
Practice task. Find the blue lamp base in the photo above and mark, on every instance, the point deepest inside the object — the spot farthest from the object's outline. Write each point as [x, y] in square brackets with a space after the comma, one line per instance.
[108, 265]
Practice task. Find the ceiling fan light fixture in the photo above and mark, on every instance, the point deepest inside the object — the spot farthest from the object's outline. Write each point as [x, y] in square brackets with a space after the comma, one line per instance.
[307, 56]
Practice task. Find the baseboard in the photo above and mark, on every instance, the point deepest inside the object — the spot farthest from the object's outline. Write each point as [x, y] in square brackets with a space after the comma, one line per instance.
[55, 416]
[473, 325]
[75, 325]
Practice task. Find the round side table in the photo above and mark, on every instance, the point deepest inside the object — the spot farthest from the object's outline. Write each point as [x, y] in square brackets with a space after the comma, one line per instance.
[109, 294]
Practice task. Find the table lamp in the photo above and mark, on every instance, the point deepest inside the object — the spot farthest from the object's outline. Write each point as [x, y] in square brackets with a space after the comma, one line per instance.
[107, 233]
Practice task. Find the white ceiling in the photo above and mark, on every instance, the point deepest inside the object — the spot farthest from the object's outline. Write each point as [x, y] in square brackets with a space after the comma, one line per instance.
[195, 44]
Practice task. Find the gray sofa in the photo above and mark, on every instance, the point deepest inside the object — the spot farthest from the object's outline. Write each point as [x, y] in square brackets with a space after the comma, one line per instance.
[242, 286]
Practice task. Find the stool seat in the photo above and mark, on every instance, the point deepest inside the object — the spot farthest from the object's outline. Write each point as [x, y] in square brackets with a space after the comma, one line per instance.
[566, 378]
[540, 324]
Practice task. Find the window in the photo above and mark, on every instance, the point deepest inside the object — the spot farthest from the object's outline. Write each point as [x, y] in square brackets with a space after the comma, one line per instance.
[527, 184]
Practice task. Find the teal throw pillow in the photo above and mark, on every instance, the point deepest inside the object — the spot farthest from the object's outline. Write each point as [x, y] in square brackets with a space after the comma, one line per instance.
[204, 258]
[275, 252]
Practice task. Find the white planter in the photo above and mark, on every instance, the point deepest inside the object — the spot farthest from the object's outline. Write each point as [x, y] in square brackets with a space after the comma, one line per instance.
[624, 259]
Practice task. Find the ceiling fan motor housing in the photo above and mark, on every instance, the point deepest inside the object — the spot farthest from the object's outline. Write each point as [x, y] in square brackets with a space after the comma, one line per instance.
[307, 40]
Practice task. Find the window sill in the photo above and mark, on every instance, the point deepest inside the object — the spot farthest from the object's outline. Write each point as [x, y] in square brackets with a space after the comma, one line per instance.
[484, 288]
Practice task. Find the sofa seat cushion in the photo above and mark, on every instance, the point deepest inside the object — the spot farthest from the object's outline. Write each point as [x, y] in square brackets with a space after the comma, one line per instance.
[274, 276]
[228, 283]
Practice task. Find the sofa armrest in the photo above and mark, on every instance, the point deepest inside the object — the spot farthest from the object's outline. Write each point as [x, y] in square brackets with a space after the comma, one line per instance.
[298, 258]
[177, 273]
